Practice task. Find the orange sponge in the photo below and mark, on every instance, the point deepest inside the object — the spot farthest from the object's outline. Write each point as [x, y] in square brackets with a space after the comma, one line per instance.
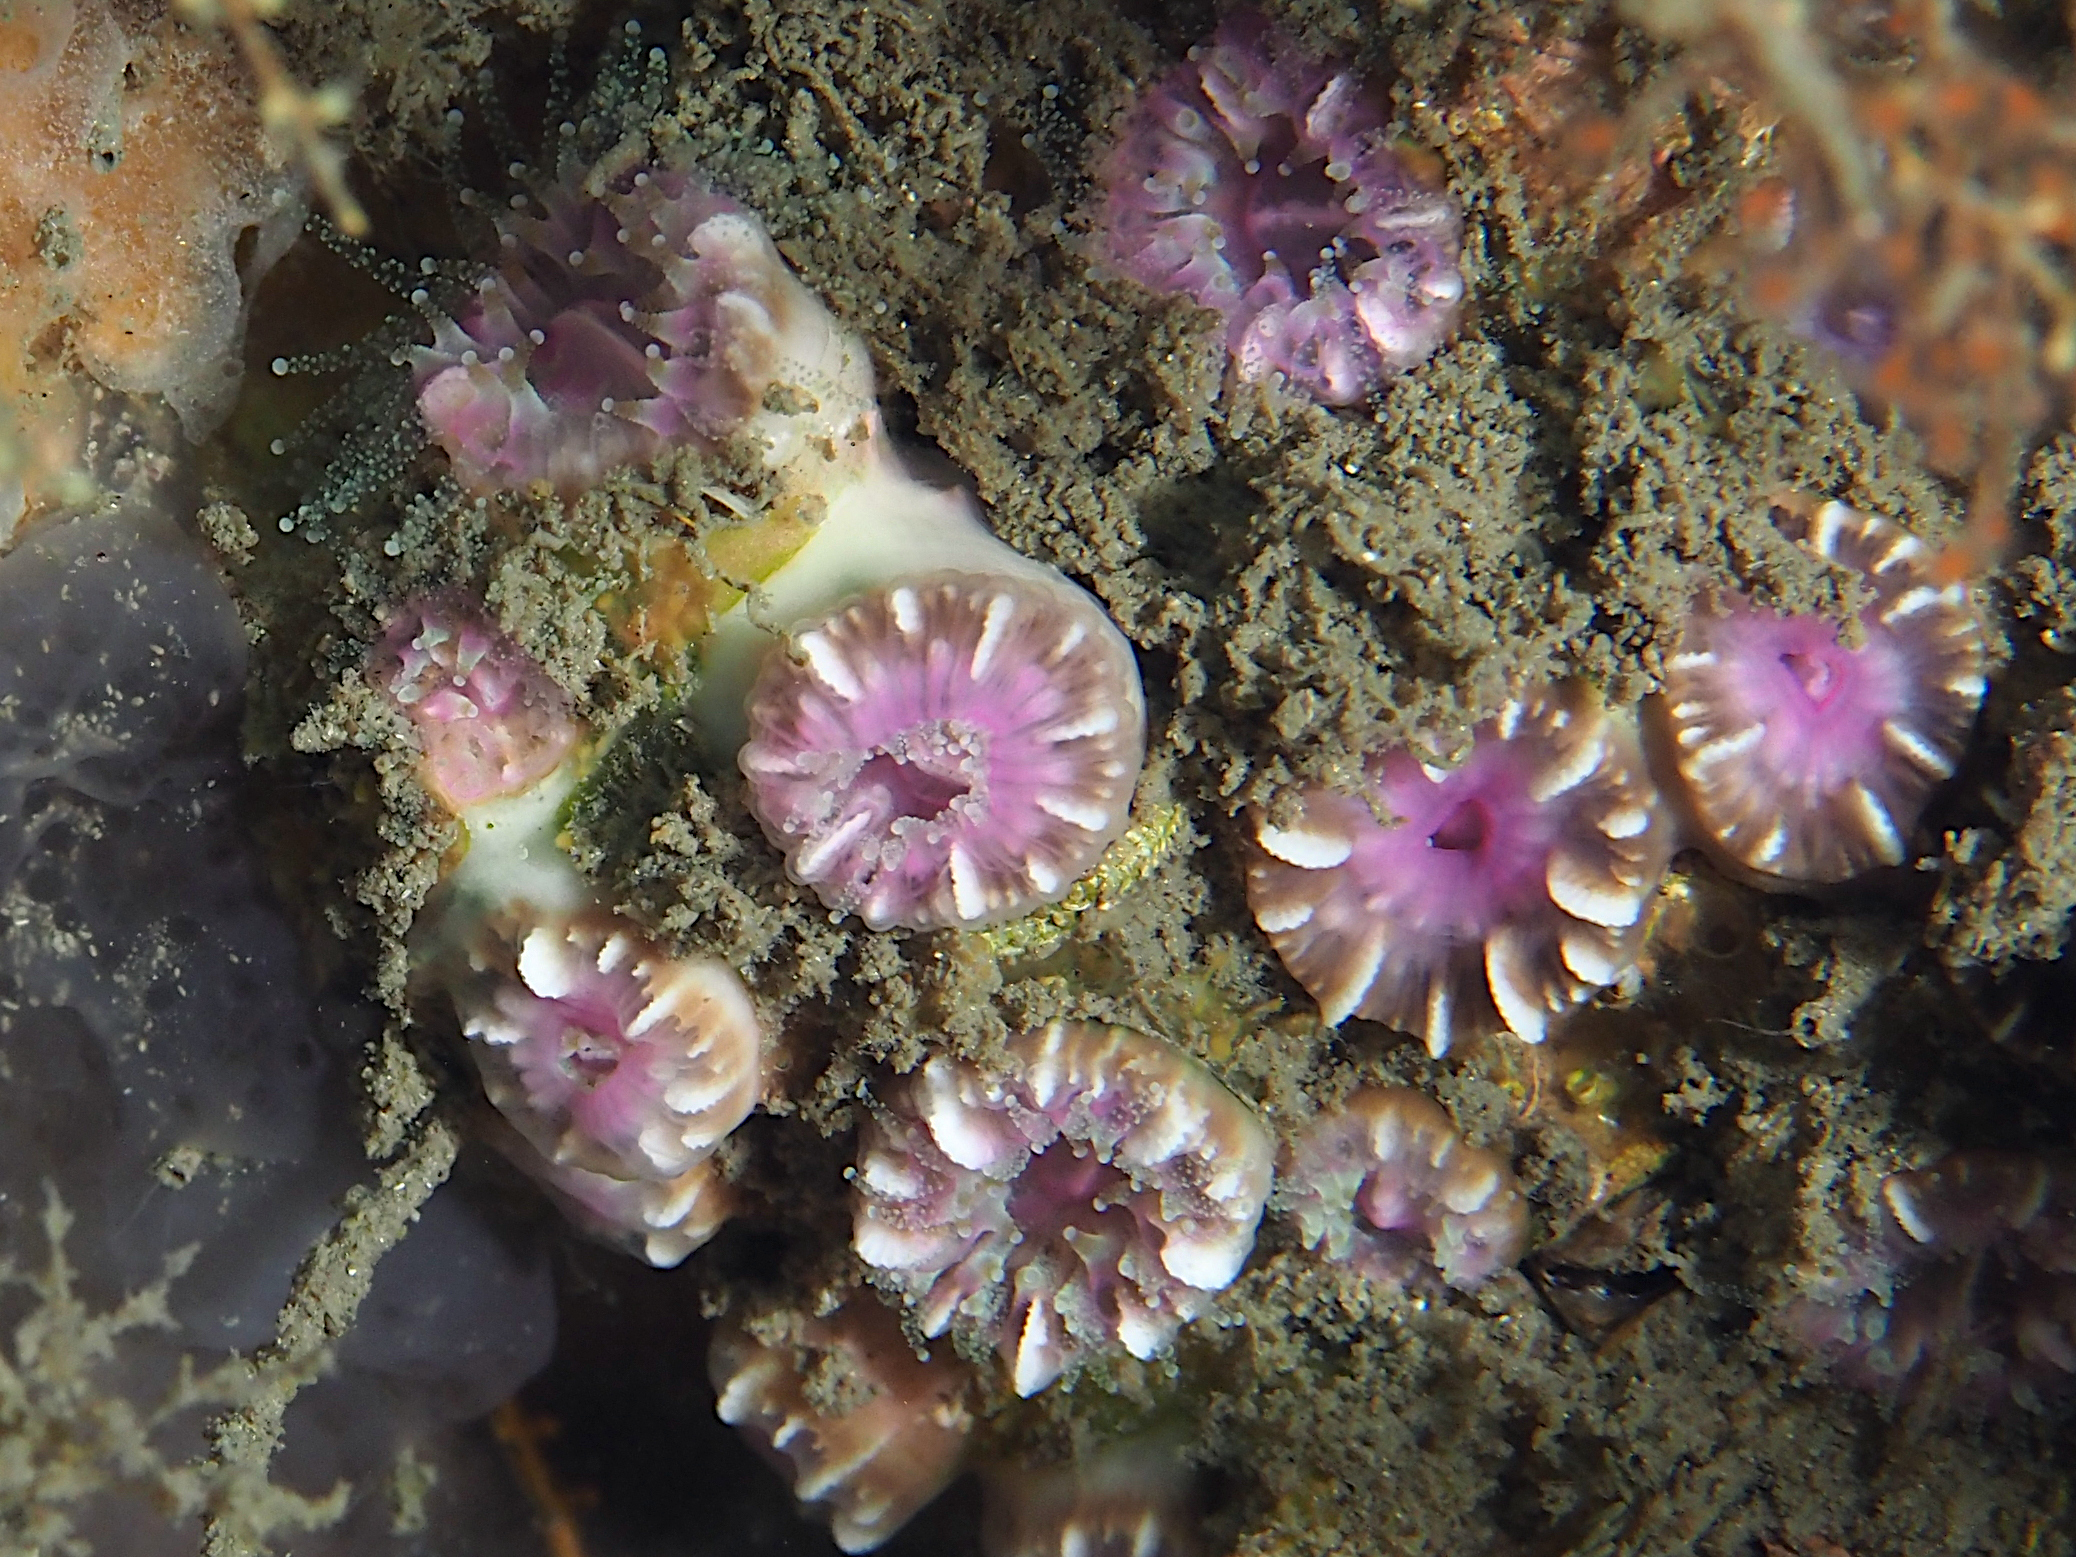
[132, 170]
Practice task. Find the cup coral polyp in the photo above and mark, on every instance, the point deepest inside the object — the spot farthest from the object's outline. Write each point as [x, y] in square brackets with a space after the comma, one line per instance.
[1504, 893]
[1386, 1182]
[1969, 1272]
[949, 751]
[625, 320]
[607, 1055]
[490, 721]
[1094, 1192]
[1263, 184]
[620, 1070]
[868, 1431]
[1803, 759]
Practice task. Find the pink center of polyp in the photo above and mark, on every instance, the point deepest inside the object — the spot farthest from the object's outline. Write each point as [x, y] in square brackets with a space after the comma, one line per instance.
[590, 355]
[1059, 1194]
[924, 772]
[1471, 851]
[1819, 675]
[913, 789]
[1821, 704]
[1389, 1253]
[1391, 1201]
[1295, 213]
[575, 1050]
[1464, 830]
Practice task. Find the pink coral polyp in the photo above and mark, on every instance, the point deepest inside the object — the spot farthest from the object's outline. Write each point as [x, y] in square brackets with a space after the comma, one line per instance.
[607, 1055]
[1386, 1182]
[866, 1431]
[490, 720]
[1094, 1192]
[1804, 759]
[1968, 1278]
[951, 751]
[1263, 184]
[618, 324]
[1501, 894]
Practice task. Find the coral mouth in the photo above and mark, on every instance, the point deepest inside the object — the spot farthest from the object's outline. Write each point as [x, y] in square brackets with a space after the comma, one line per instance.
[925, 774]
[587, 1062]
[1464, 830]
[1065, 1190]
[1820, 678]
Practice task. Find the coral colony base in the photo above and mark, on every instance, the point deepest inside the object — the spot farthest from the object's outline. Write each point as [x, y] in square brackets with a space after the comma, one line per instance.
[1379, 924]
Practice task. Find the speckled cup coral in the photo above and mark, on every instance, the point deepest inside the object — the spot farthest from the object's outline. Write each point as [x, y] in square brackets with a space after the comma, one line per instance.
[1130, 1499]
[951, 751]
[1803, 759]
[1094, 1193]
[1506, 892]
[625, 320]
[658, 1221]
[607, 1055]
[1386, 1183]
[1264, 185]
[489, 719]
[1969, 1277]
[867, 1431]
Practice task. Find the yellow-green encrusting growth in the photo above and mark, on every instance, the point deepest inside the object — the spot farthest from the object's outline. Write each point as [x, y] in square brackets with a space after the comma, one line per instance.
[1137, 854]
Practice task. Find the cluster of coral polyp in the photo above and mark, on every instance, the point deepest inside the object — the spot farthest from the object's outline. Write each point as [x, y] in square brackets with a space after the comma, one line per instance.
[1803, 758]
[1093, 1191]
[1386, 1183]
[1264, 185]
[866, 1431]
[638, 313]
[951, 751]
[1500, 894]
[1965, 1284]
[617, 1070]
